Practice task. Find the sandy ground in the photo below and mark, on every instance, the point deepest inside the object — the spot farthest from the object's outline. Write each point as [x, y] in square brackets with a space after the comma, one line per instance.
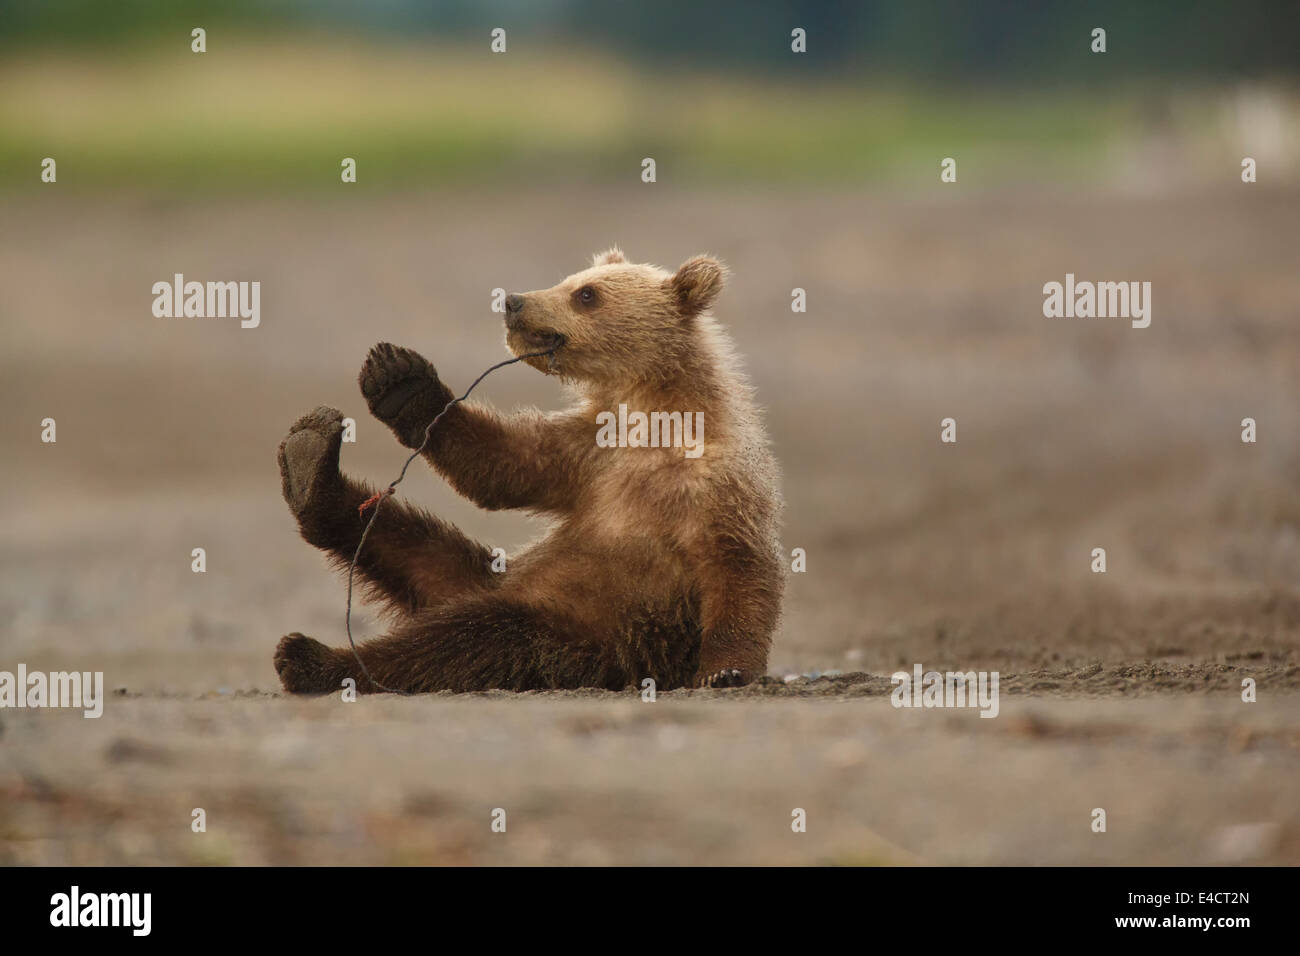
[1119, 690]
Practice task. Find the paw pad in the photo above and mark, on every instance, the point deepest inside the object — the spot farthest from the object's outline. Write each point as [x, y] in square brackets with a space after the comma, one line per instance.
[308, 454]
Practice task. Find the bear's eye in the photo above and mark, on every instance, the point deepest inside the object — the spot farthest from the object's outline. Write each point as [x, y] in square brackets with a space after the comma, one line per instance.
[587, 294]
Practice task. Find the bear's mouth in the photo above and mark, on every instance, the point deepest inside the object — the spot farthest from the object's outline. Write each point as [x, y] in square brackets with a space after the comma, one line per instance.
[535, 339]
[544, 339]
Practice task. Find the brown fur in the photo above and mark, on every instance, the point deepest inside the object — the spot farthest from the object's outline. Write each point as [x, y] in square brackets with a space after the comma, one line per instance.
[657, 565]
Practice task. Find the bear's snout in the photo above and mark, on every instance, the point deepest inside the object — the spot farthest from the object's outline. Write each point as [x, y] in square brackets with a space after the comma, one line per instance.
[516, 322]
[526, 333]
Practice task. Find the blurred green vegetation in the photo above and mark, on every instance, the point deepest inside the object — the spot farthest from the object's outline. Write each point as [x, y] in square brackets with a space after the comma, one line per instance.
[990, 40]
[253, 113]
[287, 88]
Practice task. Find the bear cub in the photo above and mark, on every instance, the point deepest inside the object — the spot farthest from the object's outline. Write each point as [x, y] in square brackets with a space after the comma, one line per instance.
[662, 560]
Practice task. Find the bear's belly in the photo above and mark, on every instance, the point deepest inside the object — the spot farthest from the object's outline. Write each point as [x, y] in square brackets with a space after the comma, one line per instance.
[604, 582]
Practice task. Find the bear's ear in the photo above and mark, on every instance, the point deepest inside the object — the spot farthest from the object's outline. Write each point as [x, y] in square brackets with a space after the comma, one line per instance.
[697, 283]
[610, 257]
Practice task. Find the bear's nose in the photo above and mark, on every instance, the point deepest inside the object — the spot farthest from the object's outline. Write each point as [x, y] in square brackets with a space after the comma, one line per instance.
[514, 303]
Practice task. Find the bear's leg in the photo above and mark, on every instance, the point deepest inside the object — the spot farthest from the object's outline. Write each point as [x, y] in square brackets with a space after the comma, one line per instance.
[477, 644]
[740, 603]
[520, 461]
[411, 558]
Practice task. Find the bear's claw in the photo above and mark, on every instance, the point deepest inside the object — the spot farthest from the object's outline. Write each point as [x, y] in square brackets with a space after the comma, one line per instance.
[727, 677]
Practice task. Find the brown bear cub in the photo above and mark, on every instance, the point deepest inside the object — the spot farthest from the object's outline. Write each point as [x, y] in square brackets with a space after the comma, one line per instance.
[663, 560]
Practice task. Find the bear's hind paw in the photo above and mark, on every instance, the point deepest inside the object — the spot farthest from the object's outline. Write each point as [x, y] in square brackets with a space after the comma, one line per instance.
[306, 666]
[309, 457]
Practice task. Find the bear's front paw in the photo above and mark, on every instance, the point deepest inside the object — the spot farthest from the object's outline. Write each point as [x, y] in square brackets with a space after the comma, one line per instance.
[309, 460]
[727, 677]
[306, 666]
[403, 391]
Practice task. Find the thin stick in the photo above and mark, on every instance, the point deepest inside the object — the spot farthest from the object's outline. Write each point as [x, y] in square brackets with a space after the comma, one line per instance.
[377, 499]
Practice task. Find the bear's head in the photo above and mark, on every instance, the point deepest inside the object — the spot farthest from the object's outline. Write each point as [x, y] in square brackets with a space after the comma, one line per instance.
[616, 322]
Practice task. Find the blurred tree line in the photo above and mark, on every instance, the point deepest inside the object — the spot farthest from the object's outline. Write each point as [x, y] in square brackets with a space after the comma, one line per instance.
[992, 40]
